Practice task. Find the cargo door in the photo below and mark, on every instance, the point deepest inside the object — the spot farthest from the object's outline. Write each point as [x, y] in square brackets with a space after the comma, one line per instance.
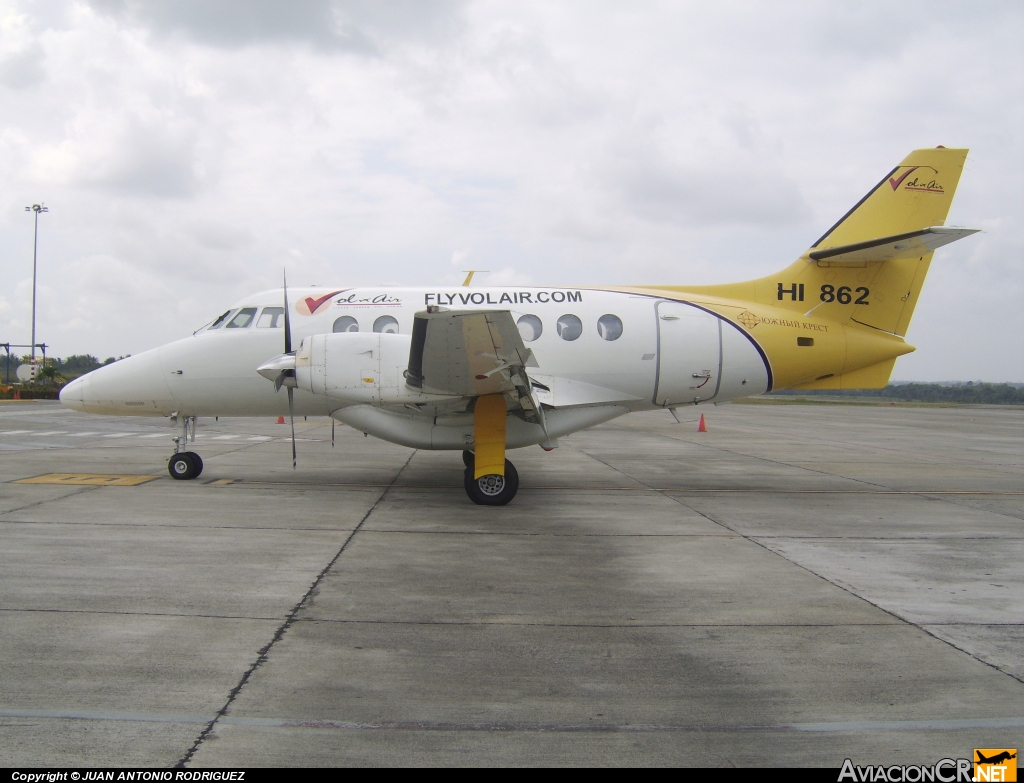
[689, 354]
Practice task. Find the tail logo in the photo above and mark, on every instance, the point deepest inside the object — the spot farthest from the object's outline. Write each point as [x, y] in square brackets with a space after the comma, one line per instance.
[917, 183]
[311, 305]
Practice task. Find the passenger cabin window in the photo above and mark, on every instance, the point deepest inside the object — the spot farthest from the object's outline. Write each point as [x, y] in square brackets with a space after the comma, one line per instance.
[219, 322]
[530, 328]
[242, 319]
[271, 318]
[346, 324]
[609, 327]
[569, 327]
[386, 325]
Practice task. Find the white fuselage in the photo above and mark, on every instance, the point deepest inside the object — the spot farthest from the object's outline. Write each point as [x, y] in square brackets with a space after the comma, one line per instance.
[630, 351]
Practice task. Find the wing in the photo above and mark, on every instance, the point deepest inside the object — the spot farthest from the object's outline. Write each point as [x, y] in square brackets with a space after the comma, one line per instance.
[913, 244]
[468, 352]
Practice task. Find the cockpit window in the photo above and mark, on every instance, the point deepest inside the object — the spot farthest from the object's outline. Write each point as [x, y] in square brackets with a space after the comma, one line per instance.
[243, 319]
[271, 318]
[219, 321]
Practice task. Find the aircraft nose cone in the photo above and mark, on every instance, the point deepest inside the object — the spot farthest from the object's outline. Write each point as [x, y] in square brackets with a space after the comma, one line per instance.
[133, 386]
[72, 394]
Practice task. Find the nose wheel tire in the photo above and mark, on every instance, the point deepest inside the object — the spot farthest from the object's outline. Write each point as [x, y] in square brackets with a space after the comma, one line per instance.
[185, 465]
[467, 458]
[492, 490]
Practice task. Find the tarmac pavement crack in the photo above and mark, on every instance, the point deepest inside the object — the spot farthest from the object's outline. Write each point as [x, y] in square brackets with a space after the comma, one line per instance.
[158, 525]
[199, 616]
[891, 612]
[737, 454]
[610, 625]
[48, 500]
[290, 619]
[754, 540]
[952, 501]
[918, 456]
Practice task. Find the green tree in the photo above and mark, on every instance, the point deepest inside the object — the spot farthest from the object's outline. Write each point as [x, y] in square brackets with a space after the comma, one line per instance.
[49, 374]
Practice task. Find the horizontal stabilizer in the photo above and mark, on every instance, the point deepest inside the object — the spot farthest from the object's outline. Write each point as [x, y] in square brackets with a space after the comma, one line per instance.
[913, 244]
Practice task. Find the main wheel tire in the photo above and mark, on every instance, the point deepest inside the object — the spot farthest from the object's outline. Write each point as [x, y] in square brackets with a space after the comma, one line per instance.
[185, 465]
[467, 458]
[492, 490]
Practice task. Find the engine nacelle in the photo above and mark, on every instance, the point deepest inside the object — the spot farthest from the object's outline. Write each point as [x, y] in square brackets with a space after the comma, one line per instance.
[358, 368]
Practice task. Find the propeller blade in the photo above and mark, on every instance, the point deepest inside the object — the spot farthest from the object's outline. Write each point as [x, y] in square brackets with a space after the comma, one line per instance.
[291, 416]
[280, 378]
[287, 319]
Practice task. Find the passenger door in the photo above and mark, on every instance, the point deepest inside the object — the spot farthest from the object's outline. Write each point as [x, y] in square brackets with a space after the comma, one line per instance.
[689, 354]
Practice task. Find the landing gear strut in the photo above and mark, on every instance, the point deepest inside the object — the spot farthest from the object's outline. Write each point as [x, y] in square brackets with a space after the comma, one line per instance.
[184, 465]
[490, 479]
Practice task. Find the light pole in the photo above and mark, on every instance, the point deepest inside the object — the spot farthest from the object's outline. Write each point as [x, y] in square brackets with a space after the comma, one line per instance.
[37, 208]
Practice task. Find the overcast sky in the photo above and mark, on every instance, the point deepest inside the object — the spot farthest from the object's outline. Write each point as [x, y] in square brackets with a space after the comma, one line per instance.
[190, 149]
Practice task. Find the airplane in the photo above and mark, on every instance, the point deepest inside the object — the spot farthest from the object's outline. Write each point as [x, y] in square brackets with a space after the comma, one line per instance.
[484, 370]
[996, 759]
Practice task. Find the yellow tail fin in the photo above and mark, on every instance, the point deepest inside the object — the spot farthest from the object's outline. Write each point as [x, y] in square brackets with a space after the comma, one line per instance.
[869, 267]
[914, 195]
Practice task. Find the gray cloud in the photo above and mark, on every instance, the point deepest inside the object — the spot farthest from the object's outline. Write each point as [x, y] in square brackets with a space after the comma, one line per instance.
[23, 69]
[344, 25]
[725, 192]
[152, 159]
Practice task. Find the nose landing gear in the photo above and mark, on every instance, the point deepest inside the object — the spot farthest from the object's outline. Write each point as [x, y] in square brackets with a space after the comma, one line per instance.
[184, 465]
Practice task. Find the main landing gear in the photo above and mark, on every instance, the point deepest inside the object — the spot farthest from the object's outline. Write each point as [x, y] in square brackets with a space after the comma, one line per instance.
[490, 489]
[184, 465]
[490, 479]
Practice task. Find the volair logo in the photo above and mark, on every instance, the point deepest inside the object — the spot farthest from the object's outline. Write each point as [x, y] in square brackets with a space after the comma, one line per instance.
[995, 764]
[895, 182]
[311, 305]
[924, 184]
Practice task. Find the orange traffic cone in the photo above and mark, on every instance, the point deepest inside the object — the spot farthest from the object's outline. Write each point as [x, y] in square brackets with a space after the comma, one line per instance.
[280, 419]
[702, 427]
